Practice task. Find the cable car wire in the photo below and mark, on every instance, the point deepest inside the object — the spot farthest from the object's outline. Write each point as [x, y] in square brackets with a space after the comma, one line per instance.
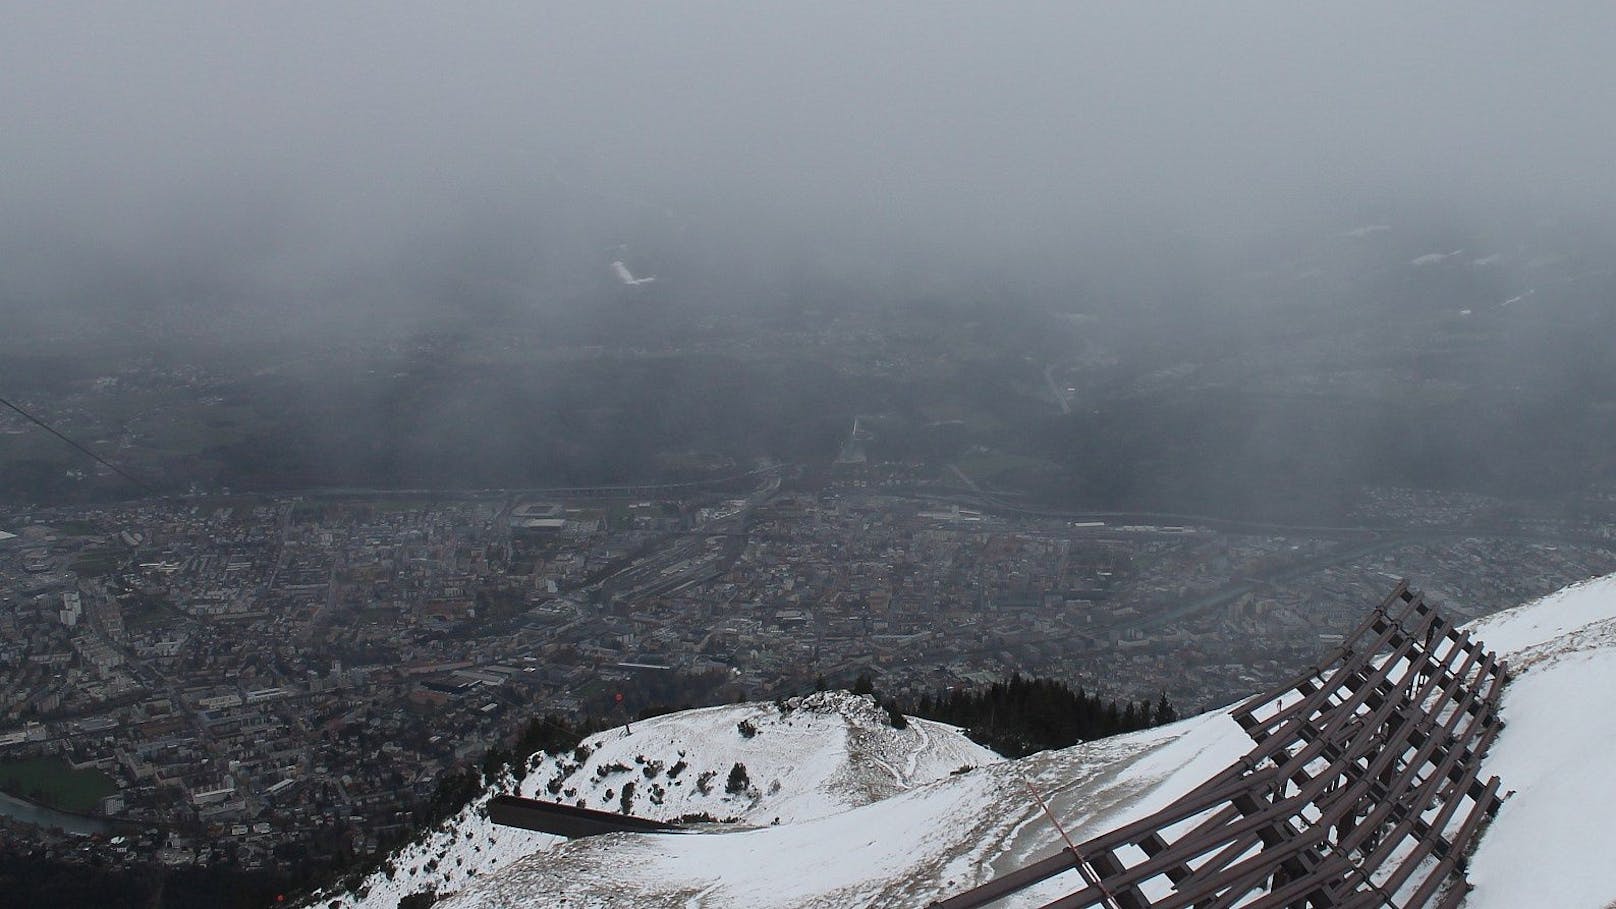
[97, 458]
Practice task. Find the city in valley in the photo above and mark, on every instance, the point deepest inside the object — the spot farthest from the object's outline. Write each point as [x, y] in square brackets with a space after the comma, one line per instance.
[392, 393]
[254, 681]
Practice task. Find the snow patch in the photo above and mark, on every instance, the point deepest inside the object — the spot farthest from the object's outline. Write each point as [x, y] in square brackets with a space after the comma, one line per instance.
[1433, 258]
[805, 758]
[907, 850]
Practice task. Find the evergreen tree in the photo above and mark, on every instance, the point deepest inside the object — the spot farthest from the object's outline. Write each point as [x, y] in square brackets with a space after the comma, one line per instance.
[1022, 715]
[738, 780]
[1164, 712]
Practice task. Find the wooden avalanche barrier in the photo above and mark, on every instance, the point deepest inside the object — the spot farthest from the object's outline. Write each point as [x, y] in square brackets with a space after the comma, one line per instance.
[1362, 790]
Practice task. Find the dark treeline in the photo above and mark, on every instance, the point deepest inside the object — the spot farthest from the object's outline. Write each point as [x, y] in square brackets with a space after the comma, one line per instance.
[1022, 716]
[551, 734]
[36, 879]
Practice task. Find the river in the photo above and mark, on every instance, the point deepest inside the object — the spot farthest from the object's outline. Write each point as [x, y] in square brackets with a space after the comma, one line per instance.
[29, 813]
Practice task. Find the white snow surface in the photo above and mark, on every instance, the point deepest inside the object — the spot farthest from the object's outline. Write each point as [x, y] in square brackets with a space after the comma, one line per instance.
[869, 830]
[825, 753]
[1551, 842]
[906, 850]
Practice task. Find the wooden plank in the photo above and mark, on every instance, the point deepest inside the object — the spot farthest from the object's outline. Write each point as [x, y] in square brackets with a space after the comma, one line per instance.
[1343, 654]
[1401, 756]
[1107, 868]
[1153, 846]
[568, 820]
[1289, 807]
[1450, 864]
[1354, 667]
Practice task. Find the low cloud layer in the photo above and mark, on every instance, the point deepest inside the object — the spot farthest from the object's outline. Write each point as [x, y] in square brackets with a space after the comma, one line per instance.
[371, 154]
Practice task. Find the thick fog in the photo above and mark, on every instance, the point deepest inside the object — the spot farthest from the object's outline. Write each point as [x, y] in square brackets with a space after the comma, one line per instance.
[412, 155]
[1234, 258]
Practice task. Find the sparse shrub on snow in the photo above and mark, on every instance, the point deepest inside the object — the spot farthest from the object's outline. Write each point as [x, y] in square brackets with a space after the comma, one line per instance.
[605, 770]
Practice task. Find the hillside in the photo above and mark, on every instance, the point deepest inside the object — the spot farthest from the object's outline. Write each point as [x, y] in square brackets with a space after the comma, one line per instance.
[805, 758]
[875, 817]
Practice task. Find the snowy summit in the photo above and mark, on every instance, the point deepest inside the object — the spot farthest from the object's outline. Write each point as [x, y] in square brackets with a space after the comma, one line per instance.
[801, 759]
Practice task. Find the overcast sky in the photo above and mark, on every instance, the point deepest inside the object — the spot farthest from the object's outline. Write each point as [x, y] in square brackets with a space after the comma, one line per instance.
[306, 148]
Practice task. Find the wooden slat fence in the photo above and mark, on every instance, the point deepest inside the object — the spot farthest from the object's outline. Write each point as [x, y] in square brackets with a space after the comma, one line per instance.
[1362, 790]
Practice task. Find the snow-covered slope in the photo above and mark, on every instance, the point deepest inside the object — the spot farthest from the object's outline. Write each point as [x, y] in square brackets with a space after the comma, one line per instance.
[904, 851]
[1551, 842]
[865, 828]
[820, 755]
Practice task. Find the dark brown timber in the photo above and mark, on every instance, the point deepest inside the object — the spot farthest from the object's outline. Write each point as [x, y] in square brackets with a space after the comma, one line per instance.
[1362, 790]
[567, 820]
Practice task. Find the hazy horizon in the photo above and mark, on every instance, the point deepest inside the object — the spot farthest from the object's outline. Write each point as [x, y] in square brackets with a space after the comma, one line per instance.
[385, 158]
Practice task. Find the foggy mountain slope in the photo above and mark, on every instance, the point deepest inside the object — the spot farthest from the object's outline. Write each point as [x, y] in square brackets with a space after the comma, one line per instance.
[951, 834]
[826, 753]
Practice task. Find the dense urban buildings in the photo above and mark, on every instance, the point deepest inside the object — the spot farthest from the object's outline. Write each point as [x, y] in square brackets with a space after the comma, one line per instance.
[237, 679]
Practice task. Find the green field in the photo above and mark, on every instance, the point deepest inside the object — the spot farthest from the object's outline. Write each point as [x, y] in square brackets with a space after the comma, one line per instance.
[97, 562]
[1006, 469]
[50, 781]
[143, 612]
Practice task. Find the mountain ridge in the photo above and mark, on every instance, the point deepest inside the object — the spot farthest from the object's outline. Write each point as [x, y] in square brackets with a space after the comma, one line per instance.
[804, 758]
